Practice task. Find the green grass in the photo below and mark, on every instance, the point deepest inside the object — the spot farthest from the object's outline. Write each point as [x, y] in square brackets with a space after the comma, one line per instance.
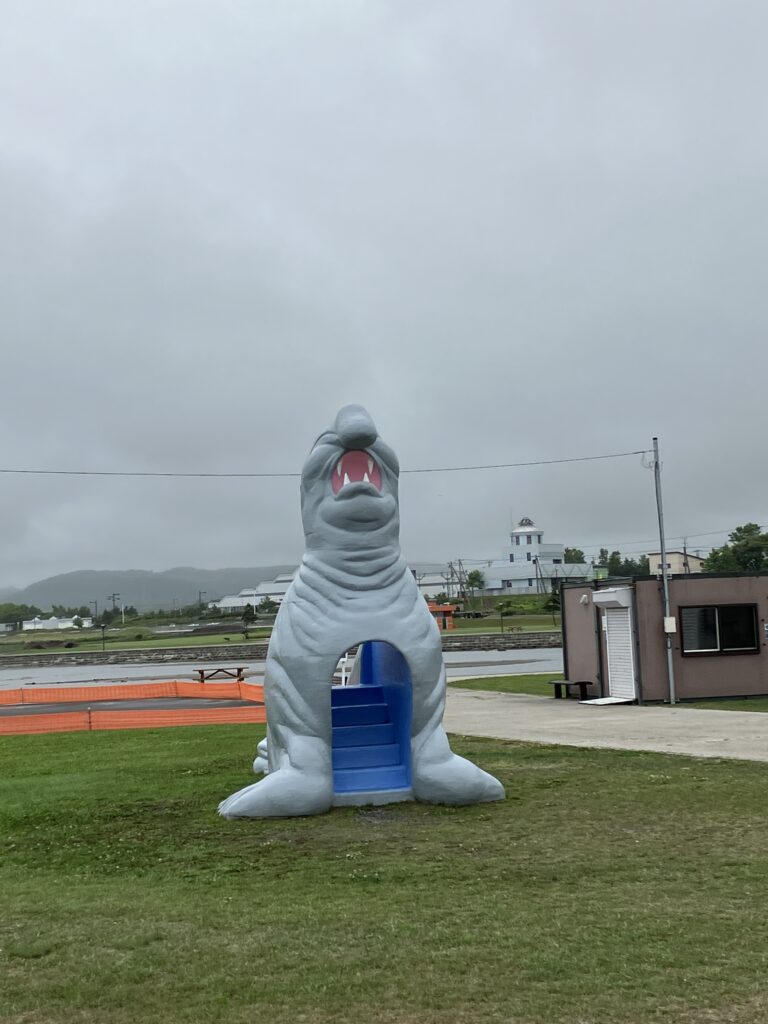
[125, 641]
[537, 684]
[610, 888]
[492, 624]
[729, 704]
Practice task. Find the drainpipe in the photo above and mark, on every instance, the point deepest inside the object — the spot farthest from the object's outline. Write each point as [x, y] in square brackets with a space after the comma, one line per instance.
[664, 578]
[598, 642]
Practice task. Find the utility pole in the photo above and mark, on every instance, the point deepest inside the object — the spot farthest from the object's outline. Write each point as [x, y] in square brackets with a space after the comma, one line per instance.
[113, 598]
[448, 577]
[664, 576]
[463, 588]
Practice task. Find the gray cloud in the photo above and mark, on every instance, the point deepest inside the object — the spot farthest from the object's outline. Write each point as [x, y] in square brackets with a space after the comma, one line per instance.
[514, 231]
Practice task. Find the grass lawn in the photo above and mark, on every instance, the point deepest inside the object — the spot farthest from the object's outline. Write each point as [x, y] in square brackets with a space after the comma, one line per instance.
[125, 641]
[729, 704]
[610, 888]
[492, 624]
[537, 684]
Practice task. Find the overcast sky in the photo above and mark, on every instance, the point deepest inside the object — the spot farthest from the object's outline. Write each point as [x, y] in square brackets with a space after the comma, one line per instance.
[512, 230]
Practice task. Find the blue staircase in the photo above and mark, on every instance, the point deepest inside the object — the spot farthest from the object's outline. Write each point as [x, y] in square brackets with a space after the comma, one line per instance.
[367, 747]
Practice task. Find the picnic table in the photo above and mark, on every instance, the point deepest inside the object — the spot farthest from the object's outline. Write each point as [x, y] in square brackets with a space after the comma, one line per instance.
[232, 673]
[563, 687]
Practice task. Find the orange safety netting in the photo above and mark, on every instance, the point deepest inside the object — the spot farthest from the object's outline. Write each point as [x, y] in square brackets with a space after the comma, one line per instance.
[67, 721]
[137, 691]
[252, 691]
[78, 721]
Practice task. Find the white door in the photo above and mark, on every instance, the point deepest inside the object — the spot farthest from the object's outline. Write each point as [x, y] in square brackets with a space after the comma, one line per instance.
[620, 653]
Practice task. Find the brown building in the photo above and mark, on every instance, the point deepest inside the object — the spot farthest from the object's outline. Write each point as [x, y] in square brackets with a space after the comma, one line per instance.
[443, 614]
[614, 636]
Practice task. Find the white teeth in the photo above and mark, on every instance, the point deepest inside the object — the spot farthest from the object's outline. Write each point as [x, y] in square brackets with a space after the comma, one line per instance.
[338, 467]
[346, 479]
[370, 465]
[365, 478]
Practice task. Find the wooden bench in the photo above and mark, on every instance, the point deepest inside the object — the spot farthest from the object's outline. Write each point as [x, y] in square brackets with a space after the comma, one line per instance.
[561, 685]
[232, 673]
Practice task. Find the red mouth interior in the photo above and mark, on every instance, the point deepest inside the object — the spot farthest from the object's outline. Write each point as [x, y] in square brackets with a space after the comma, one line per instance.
[353, 468]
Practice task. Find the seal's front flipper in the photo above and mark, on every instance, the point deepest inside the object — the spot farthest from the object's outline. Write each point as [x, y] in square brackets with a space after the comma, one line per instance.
[261, 761]
[282, 794]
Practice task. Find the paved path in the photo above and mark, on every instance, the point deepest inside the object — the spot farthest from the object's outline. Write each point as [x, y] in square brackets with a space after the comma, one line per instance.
[735, 734]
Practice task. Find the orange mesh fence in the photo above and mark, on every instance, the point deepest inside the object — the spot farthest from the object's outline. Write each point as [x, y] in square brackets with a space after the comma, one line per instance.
[78, 721]
[137, 691]
[252, 691]
[60, 695]
[184, 716]
[66, 721]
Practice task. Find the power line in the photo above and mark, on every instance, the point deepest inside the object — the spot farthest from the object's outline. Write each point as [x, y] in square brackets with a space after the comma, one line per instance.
[517, 465]
[655, 540]
[430, 469]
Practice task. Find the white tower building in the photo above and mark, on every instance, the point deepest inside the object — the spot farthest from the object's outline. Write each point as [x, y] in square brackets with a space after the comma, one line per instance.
[530, 566]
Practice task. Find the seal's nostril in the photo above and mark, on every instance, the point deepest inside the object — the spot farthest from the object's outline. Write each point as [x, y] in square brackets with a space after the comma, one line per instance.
[355, 428]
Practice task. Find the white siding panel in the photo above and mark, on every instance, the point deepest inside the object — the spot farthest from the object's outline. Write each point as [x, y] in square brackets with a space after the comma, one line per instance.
[619, 645]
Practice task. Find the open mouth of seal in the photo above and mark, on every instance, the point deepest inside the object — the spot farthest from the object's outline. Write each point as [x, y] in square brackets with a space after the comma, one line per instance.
[355, 467]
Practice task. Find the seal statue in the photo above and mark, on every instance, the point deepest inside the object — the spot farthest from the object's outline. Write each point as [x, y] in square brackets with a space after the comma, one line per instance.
[353, 586]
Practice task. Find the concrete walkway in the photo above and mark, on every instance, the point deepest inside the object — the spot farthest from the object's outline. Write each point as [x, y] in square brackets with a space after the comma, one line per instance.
[735, 734]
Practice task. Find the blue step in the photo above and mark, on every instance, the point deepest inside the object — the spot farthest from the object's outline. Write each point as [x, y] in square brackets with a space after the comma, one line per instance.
[359, 714]
[367, 757]
[363, 735]
[344, 695]
[364, 780]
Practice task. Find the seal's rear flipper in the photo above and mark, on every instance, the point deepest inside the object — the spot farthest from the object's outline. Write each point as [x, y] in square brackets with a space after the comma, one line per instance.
[455, 781]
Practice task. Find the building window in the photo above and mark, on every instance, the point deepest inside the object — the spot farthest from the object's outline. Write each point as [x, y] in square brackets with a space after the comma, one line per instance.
[719, 629]
[511, 558]
[530, 583]
[507, 583]
[529, 538]
[528, 555]
[557, 561]
[517, 541]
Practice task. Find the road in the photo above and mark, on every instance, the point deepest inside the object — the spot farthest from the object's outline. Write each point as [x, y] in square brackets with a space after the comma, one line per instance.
[459, 664]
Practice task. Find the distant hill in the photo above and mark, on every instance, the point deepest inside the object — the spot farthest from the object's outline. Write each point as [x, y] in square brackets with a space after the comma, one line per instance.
[8, 593]
[141, 588]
